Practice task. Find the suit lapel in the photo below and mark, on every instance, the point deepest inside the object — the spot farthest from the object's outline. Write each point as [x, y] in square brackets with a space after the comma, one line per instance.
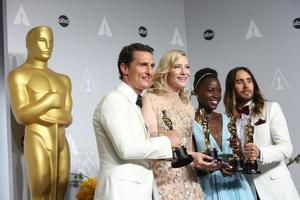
[253, 120]
[142, 120]
[138, 111]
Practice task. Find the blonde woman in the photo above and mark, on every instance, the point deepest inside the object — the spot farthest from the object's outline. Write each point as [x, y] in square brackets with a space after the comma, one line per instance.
[167, 92]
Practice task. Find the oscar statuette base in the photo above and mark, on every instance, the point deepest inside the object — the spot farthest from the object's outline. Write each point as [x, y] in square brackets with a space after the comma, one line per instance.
[236, 163]
[214, 154]
[251, 167]
[181, 157]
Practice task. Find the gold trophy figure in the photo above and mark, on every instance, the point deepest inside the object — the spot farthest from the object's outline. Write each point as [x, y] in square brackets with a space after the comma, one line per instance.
[180, 155]
[212, 152]
[236, 162]
[41, 100]
[250, 165]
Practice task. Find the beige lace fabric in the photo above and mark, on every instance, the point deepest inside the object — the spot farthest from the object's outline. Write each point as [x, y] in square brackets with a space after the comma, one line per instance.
[172, 183]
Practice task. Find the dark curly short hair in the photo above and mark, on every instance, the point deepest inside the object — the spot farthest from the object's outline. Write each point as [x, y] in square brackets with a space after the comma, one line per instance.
[202, 74]
[126, 54]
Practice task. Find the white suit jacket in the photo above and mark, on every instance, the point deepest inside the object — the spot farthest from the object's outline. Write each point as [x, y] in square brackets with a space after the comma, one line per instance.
[273, 140]
[124, 148]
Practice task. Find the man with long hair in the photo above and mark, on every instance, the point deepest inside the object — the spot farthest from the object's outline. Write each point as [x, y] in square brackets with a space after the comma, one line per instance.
[271, 145]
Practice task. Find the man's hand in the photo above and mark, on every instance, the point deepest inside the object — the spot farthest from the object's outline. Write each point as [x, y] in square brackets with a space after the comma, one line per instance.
[251, 150]
[174, 138]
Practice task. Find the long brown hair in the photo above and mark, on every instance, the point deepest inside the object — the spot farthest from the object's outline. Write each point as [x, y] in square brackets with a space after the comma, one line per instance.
[230, 96]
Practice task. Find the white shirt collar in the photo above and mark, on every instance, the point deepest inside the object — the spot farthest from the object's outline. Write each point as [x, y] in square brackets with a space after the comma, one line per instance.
[127, 91]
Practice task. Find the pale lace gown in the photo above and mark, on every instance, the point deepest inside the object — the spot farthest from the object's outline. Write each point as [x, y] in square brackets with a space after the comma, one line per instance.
[172, 183]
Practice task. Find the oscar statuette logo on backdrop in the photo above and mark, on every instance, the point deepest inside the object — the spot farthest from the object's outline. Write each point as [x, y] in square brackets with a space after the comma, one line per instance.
[176, 40]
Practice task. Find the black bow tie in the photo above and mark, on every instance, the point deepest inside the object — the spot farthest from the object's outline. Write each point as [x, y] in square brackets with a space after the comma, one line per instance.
[139, 101]
[243, 110]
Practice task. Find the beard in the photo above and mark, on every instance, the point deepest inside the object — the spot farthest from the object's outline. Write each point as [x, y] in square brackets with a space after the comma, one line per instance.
[243, 99]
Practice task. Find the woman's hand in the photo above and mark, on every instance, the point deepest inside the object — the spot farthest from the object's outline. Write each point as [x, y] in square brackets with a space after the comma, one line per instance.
[226, 169]
[202, 161]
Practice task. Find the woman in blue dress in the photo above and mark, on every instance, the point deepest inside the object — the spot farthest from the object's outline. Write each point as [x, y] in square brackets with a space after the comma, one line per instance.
[221, 184]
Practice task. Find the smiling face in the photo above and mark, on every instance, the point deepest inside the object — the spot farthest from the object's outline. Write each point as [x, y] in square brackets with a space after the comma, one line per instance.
[209, 93]
[139, 72]
[179, 74]
[243, 87]
[40, 43]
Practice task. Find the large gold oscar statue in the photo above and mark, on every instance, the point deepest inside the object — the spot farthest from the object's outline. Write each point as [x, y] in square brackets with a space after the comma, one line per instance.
[41, 100]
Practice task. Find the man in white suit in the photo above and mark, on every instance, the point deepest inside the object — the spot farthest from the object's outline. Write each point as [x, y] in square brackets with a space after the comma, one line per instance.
[123, 142]
[271, 144]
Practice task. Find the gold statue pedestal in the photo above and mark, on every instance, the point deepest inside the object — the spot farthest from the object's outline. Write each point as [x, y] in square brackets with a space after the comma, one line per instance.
[214, 154]
[181, 157]
[236, 162]
[251, 167]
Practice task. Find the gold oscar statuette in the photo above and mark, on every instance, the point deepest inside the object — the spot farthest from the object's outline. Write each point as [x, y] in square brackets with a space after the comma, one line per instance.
[202, 119]
[180, 155]
[40, 99]
[236, 162]
[250, 165]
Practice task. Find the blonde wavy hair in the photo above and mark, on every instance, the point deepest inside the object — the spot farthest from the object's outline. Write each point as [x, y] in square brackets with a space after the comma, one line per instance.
[159, 81]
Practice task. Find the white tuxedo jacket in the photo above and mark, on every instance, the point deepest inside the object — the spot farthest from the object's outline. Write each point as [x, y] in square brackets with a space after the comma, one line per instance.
[273, 140]
[124, 148]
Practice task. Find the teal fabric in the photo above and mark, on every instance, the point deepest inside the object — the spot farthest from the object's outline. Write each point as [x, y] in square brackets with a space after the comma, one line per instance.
[215, 185]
